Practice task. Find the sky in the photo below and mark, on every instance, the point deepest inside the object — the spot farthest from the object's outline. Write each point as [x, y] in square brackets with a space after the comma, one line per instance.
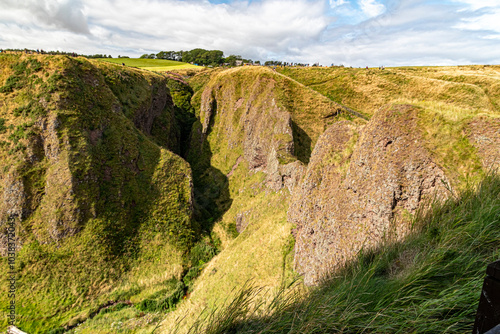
[354, 33]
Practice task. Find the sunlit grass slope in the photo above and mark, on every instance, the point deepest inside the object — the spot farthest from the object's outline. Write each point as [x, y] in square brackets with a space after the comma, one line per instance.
[151, 64]
[469, 89]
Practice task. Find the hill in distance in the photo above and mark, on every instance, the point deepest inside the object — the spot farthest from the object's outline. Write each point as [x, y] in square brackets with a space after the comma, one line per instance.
[142, 198]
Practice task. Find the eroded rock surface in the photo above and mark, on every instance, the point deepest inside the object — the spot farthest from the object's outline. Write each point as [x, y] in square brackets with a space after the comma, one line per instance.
[251, 122]
[485, 136]
[356, 191]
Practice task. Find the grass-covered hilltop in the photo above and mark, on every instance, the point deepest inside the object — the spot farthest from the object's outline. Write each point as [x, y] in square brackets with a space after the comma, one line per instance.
[246, 200]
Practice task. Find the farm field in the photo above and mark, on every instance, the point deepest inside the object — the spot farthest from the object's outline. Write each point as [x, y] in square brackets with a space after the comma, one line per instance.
[150, 64]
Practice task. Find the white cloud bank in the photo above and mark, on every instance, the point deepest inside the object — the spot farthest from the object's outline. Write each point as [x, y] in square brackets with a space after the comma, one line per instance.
[374, 32]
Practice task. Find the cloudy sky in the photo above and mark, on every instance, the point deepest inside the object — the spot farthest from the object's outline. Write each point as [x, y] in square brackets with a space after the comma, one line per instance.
[349, 32]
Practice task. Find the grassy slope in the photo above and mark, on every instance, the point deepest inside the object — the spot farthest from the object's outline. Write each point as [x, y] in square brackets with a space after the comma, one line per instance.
[428, 283]
[135, 221]
[150, 64]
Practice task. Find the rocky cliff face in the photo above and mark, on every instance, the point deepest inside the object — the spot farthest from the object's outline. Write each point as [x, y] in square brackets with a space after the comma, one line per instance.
[357, 188]
[243, 130]
[250, 121]
[261, 118]
[484, 134]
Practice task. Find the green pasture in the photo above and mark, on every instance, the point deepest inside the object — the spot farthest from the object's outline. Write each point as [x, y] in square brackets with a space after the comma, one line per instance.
[150, 64]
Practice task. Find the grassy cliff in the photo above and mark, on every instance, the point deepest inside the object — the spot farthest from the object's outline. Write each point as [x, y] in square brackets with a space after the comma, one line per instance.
[102, 204]
[452, 101]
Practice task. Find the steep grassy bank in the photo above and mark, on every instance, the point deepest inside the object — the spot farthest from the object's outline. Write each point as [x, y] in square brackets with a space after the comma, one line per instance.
[102, 205]
[428, 283]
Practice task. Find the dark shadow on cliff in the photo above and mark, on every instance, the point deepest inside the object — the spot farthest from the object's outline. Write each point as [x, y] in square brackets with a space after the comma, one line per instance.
[302, 143]
[429, 282]
[211, 186]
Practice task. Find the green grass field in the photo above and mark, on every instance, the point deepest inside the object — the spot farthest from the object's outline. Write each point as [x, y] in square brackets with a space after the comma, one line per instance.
[150, 64]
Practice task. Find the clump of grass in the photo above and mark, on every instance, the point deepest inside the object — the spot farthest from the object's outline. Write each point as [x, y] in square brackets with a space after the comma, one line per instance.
[158, 302]
[21, 71]
[3, 128]
[428, 283]
[222, 320]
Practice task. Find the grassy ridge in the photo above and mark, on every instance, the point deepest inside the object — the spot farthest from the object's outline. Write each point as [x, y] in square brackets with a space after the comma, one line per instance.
[429, 283]
[109, 206]
[472, 89]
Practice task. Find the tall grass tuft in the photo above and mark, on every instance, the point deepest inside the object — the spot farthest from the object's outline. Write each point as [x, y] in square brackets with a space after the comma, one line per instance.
[428, 283]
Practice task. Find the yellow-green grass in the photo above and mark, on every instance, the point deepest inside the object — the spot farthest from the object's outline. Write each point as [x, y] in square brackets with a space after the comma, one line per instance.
[126, 320]
[150, 64]
[263, 252]
[171, 68]
[476, 89]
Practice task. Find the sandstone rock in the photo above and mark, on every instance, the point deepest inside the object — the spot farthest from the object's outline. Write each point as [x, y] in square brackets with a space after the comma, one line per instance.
[242, 221]
[251, 121]
[484, 134]
[355, 192]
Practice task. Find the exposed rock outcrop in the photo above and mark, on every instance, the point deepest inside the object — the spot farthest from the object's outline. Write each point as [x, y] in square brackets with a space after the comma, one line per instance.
[356, 191]
[484, 134]
[249, 122]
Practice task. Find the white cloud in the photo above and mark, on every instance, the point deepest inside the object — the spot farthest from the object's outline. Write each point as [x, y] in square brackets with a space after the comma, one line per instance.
[388, 32]
[252, 29]
[336, 3]
[273, 25]
[61, 14]
[478, 4]
[371, 8]
[408, 33]
[489, 21]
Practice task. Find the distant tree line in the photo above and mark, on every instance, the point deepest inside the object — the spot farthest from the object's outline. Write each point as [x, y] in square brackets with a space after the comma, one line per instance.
[63, 53]
[199, 56]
